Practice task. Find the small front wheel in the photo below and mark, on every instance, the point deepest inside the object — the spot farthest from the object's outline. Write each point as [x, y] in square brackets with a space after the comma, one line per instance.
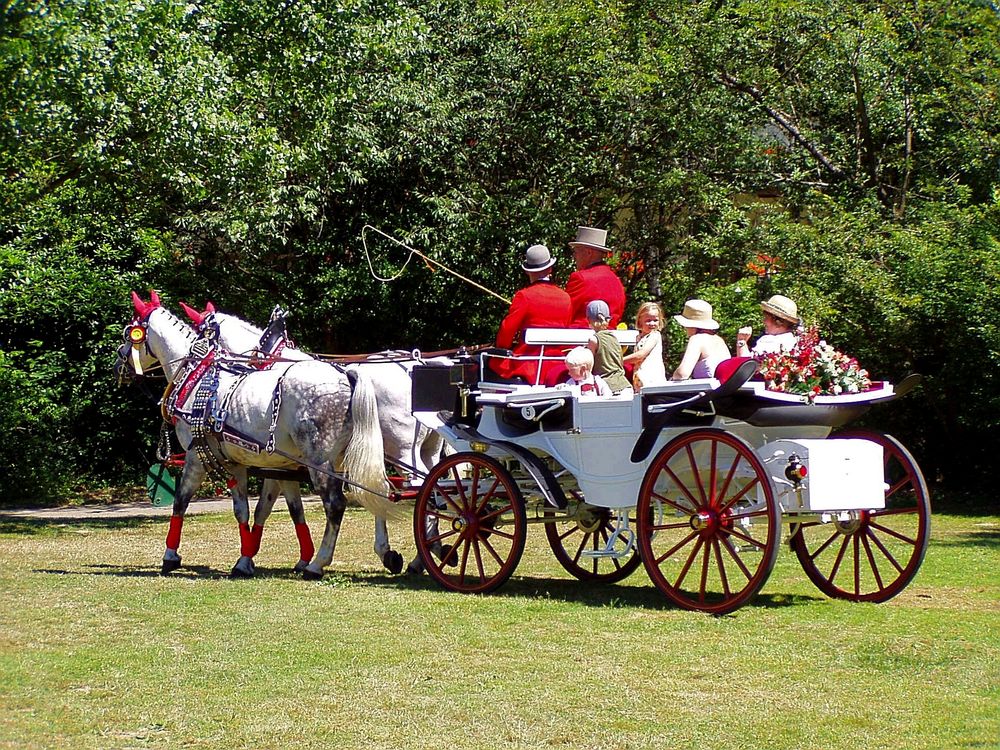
[469, 523]
[574, 540]
[708, 520]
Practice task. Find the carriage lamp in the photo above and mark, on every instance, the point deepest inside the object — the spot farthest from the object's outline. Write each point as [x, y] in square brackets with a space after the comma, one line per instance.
[136, 334]
[796, 471]
[479, 447]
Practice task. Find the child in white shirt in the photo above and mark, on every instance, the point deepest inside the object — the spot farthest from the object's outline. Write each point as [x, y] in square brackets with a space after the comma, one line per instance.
[580, 363]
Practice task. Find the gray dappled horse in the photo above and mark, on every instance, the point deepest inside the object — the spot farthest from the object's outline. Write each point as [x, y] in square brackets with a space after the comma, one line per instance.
[309, 414]
[408, 444]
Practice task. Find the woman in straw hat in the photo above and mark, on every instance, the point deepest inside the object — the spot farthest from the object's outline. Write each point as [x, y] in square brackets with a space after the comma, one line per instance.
[705, 348]
[781, 318]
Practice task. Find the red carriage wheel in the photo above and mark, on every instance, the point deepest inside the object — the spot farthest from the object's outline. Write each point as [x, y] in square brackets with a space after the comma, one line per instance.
[709, 524]
[875, 554]
[589, 529]
[469, 523]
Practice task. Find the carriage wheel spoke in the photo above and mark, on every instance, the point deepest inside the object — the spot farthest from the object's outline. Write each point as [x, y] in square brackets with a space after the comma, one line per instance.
[893, 512]
[581, 548]
[885, 552]
[736, 558]
[824, 545]
[687, 565]
[672, 504]
[493, 552]
[840, 556]
[748, 539]
[705, 556]
[891, 532]
[442, 535]
[479, 560]
[722, 568]
[695, 473]
[466, 543]
[460, 487]
[729, 478]
[487, 496]
[871, 562]
[897, 486]
[676, 547]
[857, 564]
[739, 495]
[683, 488]
[712, 469]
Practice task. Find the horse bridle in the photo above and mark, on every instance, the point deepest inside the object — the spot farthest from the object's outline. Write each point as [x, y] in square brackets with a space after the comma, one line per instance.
[137, 335]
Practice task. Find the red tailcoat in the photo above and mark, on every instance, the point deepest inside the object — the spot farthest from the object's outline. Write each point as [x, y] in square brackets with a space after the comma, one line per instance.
[538, 305]
[596, 282]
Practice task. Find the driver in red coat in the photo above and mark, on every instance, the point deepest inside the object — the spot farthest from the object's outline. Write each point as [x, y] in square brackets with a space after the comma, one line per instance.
[541, 304]
[593, 278]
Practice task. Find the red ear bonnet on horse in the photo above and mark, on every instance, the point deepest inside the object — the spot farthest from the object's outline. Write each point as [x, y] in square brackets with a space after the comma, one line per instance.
[143, 309]
[193, 315]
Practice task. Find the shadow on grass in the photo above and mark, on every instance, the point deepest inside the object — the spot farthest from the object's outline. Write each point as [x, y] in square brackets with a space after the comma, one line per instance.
[616, 595]
[39, 526]
[988, 539]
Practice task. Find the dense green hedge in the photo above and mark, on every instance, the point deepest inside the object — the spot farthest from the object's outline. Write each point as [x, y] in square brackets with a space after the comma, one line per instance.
[234, 151]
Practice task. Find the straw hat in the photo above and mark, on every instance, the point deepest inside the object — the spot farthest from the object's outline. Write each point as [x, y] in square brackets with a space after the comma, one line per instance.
[591, 237]
[537, 258]
[782, 308]
[697, 314]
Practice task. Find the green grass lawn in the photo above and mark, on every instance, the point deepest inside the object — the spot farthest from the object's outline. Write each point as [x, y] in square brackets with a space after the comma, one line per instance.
[98, 651]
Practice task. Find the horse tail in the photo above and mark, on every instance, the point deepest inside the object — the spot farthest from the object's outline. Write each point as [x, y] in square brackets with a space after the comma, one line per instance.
[364, 459]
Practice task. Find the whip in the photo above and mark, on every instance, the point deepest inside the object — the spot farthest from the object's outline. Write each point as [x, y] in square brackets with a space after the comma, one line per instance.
[412, 252]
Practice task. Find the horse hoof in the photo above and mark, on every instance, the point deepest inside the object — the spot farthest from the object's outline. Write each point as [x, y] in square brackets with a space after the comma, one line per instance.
[393, 562]
[311, 575]
[445, 551]
[238, 572]
[301, 565]
[169, 566]
[415, 568]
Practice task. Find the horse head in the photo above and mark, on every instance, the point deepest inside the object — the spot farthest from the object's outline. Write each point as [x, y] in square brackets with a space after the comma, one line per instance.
[148, 339]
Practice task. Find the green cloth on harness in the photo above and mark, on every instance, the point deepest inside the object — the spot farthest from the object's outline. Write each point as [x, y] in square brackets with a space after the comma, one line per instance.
[608, 361]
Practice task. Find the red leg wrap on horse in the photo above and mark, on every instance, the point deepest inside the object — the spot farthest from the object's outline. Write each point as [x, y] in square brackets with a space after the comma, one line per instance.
[174, 532]
[246, 540]
[306, 549]
[255, 534]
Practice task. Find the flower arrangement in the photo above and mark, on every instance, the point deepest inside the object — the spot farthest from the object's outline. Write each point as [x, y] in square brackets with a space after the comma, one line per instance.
[813, 368]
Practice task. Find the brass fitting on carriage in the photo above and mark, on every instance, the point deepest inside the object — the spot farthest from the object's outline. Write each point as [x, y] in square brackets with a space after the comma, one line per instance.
[795, 472]
[463, 375]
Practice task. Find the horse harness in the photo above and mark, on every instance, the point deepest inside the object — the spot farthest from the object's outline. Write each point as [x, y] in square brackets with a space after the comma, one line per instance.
[193, 396]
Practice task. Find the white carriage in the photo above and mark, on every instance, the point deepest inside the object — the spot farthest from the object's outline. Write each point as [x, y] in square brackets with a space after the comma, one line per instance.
[694, 480]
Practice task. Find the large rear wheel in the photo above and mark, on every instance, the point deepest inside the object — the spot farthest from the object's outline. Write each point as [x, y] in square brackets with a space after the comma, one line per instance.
[872, 556]
[709, 524]
[471, 514]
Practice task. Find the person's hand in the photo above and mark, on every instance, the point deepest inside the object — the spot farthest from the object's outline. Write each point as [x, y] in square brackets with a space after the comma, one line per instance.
[744, 334]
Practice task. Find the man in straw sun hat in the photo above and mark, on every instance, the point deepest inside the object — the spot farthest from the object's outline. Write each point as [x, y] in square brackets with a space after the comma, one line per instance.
[541, 304]
[593, 278]
[781, 318]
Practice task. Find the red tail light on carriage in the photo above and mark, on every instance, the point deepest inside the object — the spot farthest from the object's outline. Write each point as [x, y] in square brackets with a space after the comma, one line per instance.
[796, 470]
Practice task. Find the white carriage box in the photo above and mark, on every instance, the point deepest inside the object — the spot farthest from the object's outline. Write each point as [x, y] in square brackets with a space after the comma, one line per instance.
[840, 474]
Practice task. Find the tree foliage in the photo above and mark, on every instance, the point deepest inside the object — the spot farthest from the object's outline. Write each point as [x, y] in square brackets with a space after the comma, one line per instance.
[843, 153]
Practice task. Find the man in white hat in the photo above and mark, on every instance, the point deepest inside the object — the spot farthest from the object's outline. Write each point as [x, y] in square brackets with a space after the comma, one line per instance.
[781, 318]
[541, 304]
[593, 278]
